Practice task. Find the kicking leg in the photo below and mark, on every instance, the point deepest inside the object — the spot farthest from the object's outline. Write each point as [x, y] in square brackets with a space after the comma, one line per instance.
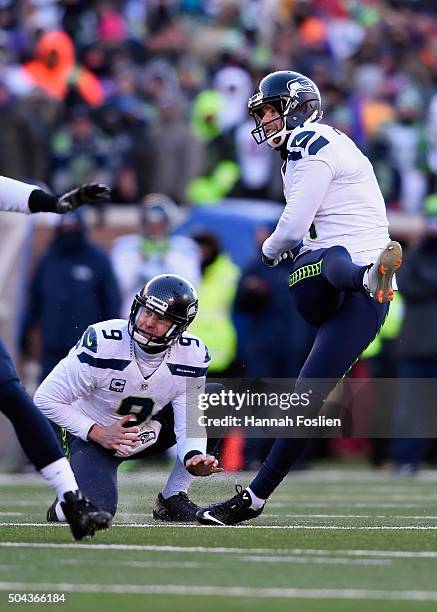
[339, 270]
[327, 360]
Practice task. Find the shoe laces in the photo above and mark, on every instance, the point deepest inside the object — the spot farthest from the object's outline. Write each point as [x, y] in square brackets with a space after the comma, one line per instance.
[186, 498]
[237, 501]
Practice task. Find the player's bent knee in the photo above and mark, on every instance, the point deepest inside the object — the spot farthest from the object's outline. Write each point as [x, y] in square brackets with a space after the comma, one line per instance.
[336, 251]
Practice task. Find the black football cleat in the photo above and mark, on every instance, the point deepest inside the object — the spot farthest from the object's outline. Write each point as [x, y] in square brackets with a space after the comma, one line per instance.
[52, 517]
[177, 508]
[231, 512]
[83, 517]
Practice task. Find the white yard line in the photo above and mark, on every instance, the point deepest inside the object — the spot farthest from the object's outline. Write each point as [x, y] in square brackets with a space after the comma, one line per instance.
[221, 591]
[346, 477]
[398, 554]
[315, 560]
[345, 504]
[193, 526]
[148, 564]
[420, 517]
[196, 564]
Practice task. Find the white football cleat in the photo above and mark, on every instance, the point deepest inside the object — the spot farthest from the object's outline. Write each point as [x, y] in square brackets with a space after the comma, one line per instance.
[378, 278]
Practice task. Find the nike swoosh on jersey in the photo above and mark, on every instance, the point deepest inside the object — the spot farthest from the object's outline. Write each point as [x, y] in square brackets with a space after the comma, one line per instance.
[299, 142]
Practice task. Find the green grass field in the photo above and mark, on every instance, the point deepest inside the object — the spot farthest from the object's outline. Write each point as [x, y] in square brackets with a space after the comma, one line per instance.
[328, 541]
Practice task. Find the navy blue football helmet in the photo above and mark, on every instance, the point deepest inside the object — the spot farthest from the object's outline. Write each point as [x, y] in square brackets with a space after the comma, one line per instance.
[169, 296]
[295, 97]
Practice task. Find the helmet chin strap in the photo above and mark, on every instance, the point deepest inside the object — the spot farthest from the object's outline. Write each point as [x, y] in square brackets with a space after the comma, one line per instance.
[139, 339]
[279, 137]
[151, 350]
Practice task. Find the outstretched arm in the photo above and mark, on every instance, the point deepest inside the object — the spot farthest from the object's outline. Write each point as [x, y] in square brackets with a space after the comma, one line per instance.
[16, 196]
[191, 451]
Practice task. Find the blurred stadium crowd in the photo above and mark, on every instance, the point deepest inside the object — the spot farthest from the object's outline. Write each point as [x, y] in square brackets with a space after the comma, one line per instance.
[150, 97]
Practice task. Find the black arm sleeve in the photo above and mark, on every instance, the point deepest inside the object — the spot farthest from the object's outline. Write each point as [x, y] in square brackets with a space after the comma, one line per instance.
[41, 201]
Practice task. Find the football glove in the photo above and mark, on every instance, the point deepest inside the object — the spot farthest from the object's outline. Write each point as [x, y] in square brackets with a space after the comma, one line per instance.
[92, 193]
[274, 262]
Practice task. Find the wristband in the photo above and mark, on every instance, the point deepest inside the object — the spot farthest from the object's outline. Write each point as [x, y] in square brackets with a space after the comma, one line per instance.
[41, 201]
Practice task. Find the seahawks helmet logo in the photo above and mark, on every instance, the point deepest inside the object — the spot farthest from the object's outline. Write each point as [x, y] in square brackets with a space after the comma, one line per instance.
[299, 85]
[192, 310]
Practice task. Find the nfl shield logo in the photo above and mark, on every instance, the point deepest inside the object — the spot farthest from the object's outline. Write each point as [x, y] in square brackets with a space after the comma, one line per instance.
[144, 386]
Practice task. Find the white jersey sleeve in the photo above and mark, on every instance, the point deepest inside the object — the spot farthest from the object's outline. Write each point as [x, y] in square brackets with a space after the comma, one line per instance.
[304, 195]
[184, 444]
[14, 195]
[67, 382]
[190, 362]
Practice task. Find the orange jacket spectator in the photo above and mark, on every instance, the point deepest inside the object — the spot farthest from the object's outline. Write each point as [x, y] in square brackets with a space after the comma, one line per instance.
[54, 69]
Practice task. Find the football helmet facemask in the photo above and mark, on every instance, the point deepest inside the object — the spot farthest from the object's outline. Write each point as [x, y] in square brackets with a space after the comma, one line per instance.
[295, 97]
[172, 298]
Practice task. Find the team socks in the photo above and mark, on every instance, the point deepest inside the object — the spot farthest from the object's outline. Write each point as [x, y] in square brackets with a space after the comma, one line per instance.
[60, 477]
[179, 480]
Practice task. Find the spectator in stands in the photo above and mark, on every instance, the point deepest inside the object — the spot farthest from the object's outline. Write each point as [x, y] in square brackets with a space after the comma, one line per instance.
[54, 70]
[23, 153]
[86, 291]
[219, 171]
[403, 141]
[139, 257]
[216, 293]
[175, 153]
[82, 152]
[417, 346]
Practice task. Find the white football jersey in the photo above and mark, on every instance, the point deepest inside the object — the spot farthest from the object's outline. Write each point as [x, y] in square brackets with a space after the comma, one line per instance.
[332, 196]
[100, 381]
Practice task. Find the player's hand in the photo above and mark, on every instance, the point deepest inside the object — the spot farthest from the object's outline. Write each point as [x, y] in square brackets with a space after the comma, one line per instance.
[202, 465]
[92, 193]
[115, 436]
[274, 262]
